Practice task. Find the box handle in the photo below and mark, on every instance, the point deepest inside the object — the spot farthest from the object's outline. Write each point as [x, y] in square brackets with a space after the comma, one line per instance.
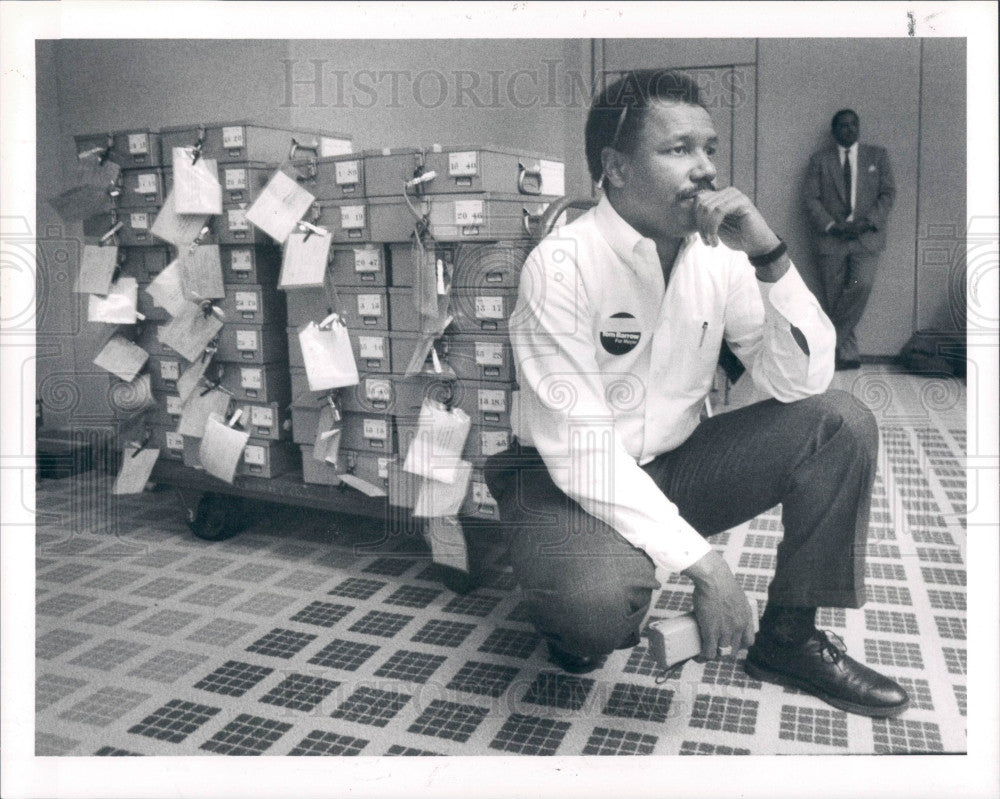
[296, 146]
[305, 172]
[523, 173]
[529, 220]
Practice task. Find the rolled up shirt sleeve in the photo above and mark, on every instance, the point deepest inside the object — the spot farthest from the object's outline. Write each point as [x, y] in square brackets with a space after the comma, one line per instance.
[564, 414]
[760, 318]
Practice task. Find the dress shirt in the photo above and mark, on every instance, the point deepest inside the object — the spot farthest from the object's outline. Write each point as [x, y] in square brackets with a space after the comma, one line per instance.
[614, 366]
[853, 150]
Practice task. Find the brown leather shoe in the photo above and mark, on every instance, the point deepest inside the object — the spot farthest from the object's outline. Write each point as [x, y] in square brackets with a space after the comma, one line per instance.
[822, 668]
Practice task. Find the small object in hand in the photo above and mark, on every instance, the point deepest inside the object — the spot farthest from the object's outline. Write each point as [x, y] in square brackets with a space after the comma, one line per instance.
[725, 651]
[674, 640]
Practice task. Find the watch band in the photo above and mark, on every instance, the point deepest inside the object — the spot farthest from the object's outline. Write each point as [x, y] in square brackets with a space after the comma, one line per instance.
[758, 261]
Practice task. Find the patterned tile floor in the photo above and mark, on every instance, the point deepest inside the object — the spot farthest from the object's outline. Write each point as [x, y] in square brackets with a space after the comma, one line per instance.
[292, 640]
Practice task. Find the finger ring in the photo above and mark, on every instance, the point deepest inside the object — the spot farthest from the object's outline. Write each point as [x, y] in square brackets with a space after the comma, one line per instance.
[725, 651]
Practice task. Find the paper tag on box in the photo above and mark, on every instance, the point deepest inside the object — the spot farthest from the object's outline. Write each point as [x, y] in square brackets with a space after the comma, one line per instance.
[463, 164]
[121, 357]
[246, 340]
[303, 264]
[261, 416]
[166, 289]
[175, 440]
[482, 497]
[367, 259]
[236, 179]
[196, 183]
[327, 446]
[198, 407]
[352, 217]
[493, 441]
[438, 498]
[192, 376]
[447, 542]
[97, 266]
[328, 358]
[221, 448]
[553, 177]
[236, 219]
[201, 273]
[138, 220]
[179, 229]
[280, 206]
[489, 354]
[436, 449]
[129, 399]
[137, 466]
[232, 137]
[118, 307]
[138, 143]
[175, 406]
[492, 400]
[330, 146]
[469, 212]
[241, 260]
[347, 172]
[146, 183]
[489, 307]
[369, 305]
[371, 347]
[369, 489]
[251, 379]
[190, 331]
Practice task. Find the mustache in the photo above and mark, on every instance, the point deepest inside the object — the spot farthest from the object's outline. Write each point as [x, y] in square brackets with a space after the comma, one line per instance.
[687, 194]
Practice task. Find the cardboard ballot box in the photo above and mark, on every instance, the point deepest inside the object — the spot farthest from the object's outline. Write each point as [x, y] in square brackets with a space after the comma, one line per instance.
[253, 305]
[244, 140]
[143, 188]
[129, 148]
[244, 265]
[267, 383]
[251, 344]
[473, 169]
[143, 263]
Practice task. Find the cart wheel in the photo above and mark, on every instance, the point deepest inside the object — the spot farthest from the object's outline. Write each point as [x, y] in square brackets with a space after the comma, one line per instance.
[218, 517]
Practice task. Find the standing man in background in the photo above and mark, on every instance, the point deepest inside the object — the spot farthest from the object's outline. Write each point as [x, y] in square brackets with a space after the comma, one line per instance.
[849, 191]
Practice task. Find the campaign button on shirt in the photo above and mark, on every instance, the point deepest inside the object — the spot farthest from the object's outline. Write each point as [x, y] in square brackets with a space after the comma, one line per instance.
[620, 333]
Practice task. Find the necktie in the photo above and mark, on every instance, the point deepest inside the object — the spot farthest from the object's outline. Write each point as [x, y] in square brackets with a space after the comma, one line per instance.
[847, 178]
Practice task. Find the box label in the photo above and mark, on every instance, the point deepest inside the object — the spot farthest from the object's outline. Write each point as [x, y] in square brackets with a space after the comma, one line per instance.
[469, 212]
[376, 428]
[232, 137]
[138, 143]
[352, 217]
[369, 305]
[252, 379]
[253, 455]
[237, 219]
[236, 179]
[246, 340]
[170, 370]
[492, 400]
[174, 405]
[174, 440]
[242, 261]
[261, 416]
[378, 390]
[367, 259]
[246, 301]
[145, 183]
[481, 494]
[371, 347]
[489, 307]
[383, 468]
[489, 353]
[493, 441]
[463, 164]
[139, 221]
[347, 172]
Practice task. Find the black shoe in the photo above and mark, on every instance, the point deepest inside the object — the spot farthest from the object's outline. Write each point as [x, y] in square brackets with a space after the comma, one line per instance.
[821, 668]
[574, 664]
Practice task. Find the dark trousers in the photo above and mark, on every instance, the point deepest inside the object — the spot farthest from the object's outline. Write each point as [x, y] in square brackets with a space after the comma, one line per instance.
[847, 283]
[588, 589]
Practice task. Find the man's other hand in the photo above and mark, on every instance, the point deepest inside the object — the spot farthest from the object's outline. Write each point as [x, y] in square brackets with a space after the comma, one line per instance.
[843, 230]
[725, 619]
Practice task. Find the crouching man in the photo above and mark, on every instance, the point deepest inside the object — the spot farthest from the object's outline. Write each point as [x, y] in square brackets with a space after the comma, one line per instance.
[616, 334]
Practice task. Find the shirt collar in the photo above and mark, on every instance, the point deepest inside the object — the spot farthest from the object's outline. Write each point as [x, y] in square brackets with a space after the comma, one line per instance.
[621, 236]
[853, 150]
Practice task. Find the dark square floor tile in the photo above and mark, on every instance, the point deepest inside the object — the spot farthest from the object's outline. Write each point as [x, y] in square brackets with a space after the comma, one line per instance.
[554, 689]
[605, 741]
[358, 588]
[371, 706]
[449, 720]
[233, 678]
[530, 735]
[511, 643]
[639, 702]
[246, 735]
[319, 742]
[175, 721]
[473, 604]
[486, 679]
[381, 623]
[443, 633]
[413, 596]
[299, 692]
[281, 643]
[411, 666]
[341, 654]
[322, 614]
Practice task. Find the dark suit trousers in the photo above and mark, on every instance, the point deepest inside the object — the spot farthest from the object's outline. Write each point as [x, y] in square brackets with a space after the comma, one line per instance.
[847, 283]
[588, 589]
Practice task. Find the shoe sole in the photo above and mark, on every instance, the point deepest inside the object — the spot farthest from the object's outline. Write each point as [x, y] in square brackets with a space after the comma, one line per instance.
[776, 677]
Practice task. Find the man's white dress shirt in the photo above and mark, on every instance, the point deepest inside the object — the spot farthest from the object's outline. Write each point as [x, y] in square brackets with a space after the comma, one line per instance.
[614, 367]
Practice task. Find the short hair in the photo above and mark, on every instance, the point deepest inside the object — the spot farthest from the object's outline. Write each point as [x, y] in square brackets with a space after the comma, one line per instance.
[843, 112]
[631, 95]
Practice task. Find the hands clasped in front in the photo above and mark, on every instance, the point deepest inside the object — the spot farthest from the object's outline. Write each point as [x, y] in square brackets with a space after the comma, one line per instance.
[849, 230]
[725, 619]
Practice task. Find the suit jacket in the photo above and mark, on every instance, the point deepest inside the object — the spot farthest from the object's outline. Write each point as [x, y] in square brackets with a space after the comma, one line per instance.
[825, 196]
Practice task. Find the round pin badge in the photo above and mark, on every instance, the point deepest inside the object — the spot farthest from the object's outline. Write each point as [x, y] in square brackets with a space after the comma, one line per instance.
[621, 333]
